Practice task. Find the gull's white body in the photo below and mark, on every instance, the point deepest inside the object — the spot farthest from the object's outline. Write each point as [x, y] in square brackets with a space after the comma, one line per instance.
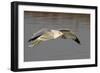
[56, 33]
[53, 34]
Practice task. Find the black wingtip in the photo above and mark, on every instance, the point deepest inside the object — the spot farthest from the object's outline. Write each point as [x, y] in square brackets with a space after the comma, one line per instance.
[32, 39]
[77, 40]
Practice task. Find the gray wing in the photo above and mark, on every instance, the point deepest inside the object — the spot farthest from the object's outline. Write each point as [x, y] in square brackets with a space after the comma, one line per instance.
[68, 34]
[37, 35]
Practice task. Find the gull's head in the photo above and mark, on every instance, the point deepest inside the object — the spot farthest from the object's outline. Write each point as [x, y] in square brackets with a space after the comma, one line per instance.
[56, 33]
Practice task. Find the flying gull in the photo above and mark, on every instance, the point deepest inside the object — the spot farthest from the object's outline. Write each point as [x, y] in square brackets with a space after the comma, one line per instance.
[49, 34]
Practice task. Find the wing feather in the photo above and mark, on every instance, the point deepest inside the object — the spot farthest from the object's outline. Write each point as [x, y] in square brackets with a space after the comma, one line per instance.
[68, 34]
[37, 34]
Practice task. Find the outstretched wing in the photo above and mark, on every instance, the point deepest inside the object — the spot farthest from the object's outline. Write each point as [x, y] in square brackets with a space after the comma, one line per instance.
[37, 34]
[68, 34]
[39, 37]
